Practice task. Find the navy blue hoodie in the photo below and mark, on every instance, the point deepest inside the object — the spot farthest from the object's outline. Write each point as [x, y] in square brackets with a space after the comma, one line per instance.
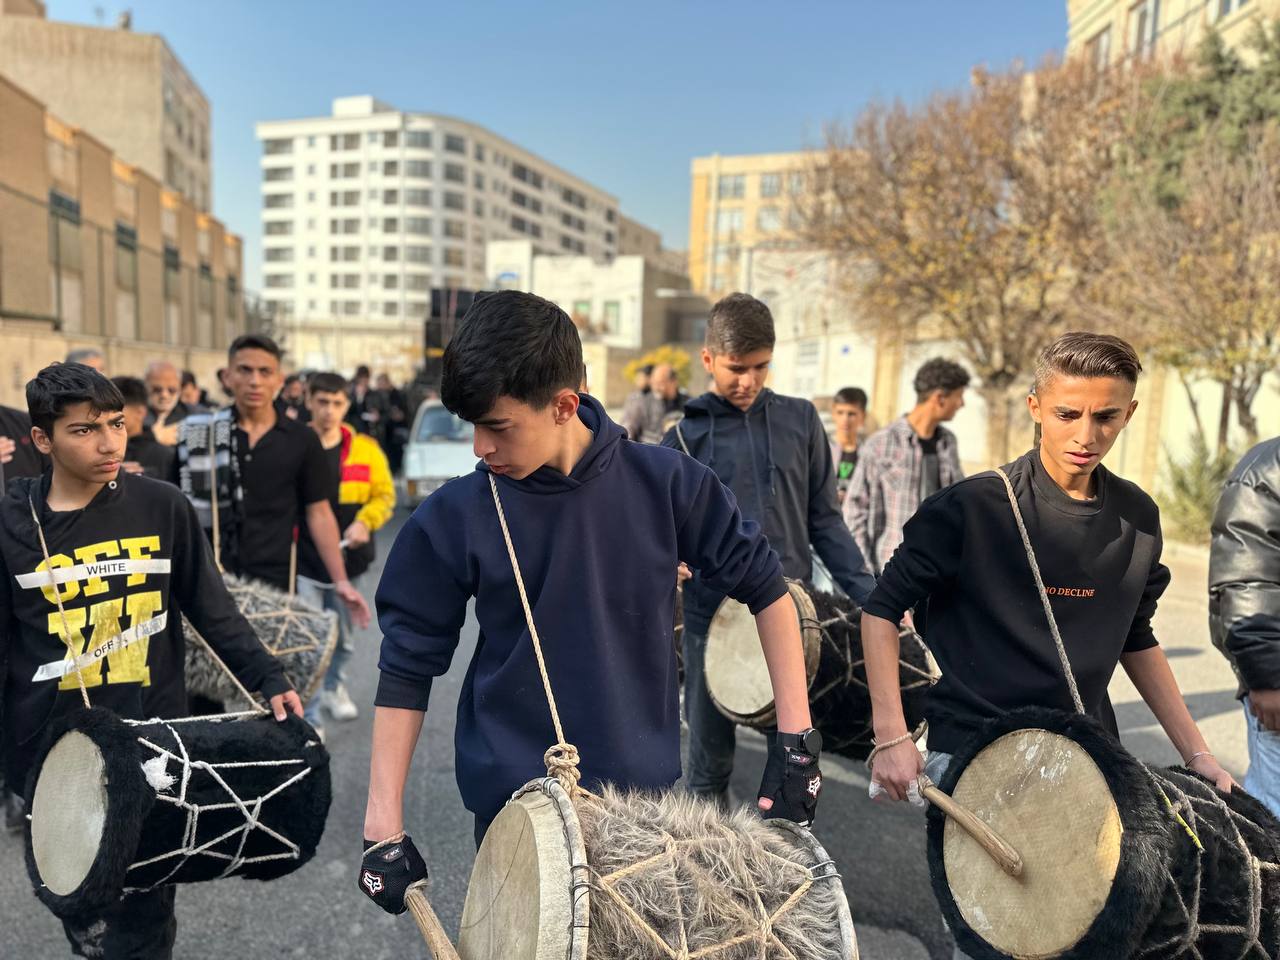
[598, 550]
[776, 459]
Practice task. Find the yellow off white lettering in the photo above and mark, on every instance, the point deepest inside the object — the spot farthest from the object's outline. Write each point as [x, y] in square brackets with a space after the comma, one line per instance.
[70, 590]
[92, 552]
[130, 664]
[139, 548]
[77, 619]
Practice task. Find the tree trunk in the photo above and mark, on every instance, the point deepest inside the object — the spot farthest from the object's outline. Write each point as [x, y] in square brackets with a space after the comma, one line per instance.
[1194, 404]
[998, 415]
[1224, 416]
[1245, 394]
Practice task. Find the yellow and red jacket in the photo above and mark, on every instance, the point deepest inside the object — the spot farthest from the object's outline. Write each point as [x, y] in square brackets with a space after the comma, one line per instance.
[366, 492]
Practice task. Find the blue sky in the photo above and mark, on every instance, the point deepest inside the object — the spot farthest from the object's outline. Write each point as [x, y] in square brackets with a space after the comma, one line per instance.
[621, 93]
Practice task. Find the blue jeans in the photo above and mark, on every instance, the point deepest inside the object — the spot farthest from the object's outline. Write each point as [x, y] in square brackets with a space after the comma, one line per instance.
[935, 765]
[1263, 778]
[324, 596]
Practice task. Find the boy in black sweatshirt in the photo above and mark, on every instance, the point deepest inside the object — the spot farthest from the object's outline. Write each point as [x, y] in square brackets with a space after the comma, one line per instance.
[599, 524]
[126, 560]
[1097, 541]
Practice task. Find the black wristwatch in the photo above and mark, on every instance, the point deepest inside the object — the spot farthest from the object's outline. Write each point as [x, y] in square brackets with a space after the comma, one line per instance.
[807, 742]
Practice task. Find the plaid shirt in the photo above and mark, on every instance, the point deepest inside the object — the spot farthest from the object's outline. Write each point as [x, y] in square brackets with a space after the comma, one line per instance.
[885, 489]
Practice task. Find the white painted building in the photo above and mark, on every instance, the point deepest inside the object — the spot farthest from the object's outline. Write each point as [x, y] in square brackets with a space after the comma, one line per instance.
[365, 211]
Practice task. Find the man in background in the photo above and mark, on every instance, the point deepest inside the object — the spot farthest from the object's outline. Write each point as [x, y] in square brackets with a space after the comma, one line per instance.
[849, 416]
[143, 453]
[89, 356]
[909, 460]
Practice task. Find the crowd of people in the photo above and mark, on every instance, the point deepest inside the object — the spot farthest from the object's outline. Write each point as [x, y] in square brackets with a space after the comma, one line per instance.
[287, 480]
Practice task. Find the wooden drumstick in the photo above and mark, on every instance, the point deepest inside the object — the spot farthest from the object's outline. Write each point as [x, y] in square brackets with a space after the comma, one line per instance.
[429, 924]
[997, 847]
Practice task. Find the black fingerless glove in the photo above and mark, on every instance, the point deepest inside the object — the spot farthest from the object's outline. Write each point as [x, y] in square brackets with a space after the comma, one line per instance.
[793, 781]
[386, 873]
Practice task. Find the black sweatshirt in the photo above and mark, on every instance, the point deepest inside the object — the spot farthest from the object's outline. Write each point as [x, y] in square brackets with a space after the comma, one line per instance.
[135, 561]
[1100, 562]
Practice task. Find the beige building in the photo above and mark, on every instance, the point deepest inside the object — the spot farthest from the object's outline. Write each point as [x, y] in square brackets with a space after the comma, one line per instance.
[738, 204]
[1111, 31]
[127, 89]
[95, 252]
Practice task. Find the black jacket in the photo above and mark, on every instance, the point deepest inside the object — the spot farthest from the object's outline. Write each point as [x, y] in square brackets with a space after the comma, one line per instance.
[1244, 569]
[775, 459]
[27, 460]
[129, 566]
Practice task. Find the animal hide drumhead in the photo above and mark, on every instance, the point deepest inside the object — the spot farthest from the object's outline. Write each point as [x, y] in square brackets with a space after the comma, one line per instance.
[68, 813]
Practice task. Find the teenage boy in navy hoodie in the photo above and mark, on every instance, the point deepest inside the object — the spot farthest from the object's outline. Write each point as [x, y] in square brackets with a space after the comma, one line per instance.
[130, 561]
[600, 525]
[772, 452]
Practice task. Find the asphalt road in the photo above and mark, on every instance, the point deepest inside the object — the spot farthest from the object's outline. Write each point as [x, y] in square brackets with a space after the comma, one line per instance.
[317, 912]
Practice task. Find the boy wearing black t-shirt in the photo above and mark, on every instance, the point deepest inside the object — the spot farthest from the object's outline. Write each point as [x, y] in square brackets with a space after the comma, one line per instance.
[1097, 540]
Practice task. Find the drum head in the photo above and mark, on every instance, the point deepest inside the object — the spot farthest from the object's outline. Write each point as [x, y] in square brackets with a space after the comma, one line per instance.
[736, 672]
[518, 905]
[68, 812]
[1046, 796]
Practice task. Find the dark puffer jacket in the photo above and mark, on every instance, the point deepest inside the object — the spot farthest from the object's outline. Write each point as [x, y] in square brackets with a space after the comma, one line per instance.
[1244, 569]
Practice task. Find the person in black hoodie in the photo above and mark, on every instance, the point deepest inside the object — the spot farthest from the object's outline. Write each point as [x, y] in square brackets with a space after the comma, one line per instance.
[772, 452]
[128, 561]
[573, 490]
[144, 453]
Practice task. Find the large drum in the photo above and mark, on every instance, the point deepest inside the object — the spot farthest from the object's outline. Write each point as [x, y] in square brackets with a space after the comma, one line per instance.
[633, 876]
[831, 629]
[119, 805]
[1119, 860]
[301, 637]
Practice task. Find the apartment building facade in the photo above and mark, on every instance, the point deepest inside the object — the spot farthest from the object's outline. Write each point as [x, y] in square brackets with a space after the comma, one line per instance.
[96, 252]
[129, 90]
[1111, 31]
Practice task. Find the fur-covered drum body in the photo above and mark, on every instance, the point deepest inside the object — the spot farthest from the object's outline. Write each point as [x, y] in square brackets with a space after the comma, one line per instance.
[297, 634]
[119, 805]
[633, 876]
[1119, 860]
[831, 629]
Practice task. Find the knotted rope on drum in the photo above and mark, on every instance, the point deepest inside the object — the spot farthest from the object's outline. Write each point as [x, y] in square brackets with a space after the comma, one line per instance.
[562, 757]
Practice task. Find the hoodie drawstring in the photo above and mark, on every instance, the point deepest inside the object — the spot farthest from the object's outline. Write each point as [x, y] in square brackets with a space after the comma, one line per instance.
[768, 447]
[711, 440]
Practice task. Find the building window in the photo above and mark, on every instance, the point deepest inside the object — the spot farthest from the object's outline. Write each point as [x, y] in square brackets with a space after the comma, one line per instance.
[345, 198]
[391, 168]
[345, 141]
[1098, 49]
[575, 199]
[417, 225]
[477, 207]
[311, 141]
[418, 282]
[608, 237]
[391, 309]
[768, 219]
[418, 139]
[311, 169]
[454, 143]
[612, 316]
[278, 254]
[611, 215]
[391, 139]
[417, 198]
[455, 173]
[454, 201]
[420, 169]
[390, 197]
[343, 171]
[732, 187]
[522, 173]
[477, 181]
[417, 254]
[728, 221]
[279, 228]
[454, 257]
[770, 184]
[391, 254]
[456, 229]
[480, 152]
[277, 201]
[276, 174]
[344, 226]
[277, 281]
[1143, 26]
[795, 184]
[348, 308]
[344, 281]
[391, 225]
[1224, 8]
[273, 148]
[344, 254]
[391, 281]
[725, 255]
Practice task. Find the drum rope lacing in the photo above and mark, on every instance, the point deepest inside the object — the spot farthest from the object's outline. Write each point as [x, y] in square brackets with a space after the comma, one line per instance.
[250, 810]
[562, 761]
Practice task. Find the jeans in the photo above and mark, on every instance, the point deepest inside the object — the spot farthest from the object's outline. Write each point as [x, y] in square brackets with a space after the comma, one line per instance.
[139, 927]
[324, 596]
[935, 765]
[1263, 778]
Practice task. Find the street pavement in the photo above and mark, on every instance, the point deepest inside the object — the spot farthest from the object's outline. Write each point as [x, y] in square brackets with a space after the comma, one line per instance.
[318, 913]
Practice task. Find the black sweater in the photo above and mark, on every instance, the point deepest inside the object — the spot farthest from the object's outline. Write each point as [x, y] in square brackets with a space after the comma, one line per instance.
[135, 560]
[1100, 561]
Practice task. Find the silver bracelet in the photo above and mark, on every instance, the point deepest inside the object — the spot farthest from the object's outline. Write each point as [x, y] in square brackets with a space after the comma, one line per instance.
[1195, 756]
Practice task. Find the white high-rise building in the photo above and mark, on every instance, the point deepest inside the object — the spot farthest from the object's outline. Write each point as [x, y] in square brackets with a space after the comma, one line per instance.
[365, 211]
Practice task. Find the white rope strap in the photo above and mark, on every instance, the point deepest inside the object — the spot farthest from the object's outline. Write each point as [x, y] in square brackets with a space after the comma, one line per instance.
[1044, 596]
[562, 758]
[72, 652]
[254, 706]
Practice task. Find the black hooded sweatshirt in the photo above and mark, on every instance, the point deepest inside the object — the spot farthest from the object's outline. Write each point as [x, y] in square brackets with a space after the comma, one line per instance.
[128, 567]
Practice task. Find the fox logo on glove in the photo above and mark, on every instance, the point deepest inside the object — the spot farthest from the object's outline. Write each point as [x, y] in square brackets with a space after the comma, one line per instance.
[815, 786]
[372, 882]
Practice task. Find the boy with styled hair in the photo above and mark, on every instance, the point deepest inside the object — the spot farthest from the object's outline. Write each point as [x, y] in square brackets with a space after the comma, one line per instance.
[849, 416]
[772, 452]
[126, 560]
[599, 526]
[1097, 541]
